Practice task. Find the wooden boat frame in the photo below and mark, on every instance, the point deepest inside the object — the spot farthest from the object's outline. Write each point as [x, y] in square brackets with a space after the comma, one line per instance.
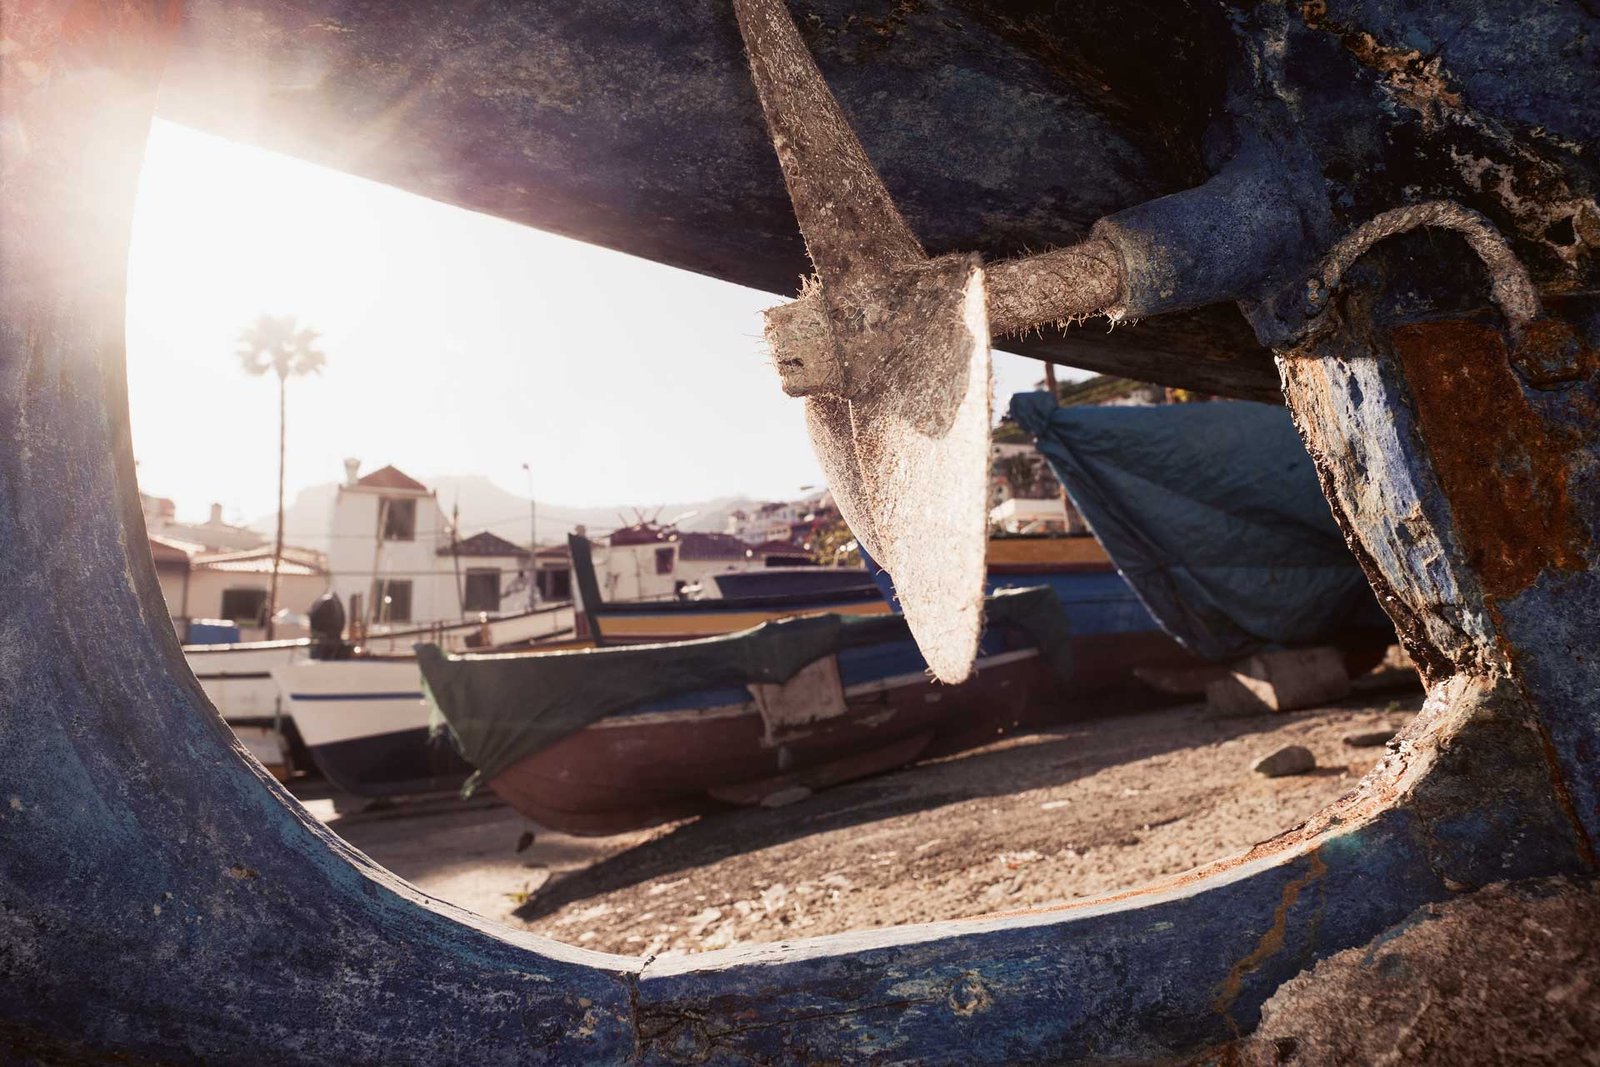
[162, 899]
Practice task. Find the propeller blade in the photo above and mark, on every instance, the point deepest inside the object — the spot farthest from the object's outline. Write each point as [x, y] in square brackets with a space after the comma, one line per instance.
[852, 228]
[908, 459]
[922, 448]
[890, 350]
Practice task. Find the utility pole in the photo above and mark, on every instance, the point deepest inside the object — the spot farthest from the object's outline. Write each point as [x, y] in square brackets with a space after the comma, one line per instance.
[533, 541]
[455, 555]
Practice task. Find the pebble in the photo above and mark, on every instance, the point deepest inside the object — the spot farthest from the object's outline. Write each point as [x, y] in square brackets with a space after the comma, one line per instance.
[1290, 759]
[1368, 738]
[699, 924]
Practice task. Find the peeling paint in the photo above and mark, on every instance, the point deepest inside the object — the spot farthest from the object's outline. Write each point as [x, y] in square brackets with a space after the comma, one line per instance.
[1505, 470]
[969, 996]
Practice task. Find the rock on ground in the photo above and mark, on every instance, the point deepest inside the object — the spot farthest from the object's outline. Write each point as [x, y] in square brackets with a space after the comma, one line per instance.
[1507, 974]
[1369, 738]
[1290, 759]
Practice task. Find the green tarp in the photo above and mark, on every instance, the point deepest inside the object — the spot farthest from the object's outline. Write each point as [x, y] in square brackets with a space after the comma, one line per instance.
[505, 707]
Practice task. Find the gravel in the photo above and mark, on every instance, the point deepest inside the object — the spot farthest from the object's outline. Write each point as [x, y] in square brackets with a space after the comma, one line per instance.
[1046, 818]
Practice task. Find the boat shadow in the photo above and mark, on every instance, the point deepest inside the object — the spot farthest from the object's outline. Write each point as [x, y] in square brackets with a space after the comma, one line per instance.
[1039, 759]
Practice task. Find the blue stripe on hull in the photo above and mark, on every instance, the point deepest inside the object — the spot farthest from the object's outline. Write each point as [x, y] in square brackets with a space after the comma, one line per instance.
[1096, 602]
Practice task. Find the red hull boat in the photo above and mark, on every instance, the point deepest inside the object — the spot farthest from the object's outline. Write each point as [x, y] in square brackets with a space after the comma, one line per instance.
[609, 739]
[653, 766]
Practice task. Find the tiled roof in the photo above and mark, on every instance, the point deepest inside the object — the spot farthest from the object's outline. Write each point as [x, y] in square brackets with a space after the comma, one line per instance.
[389, 477]
[774, 547]
[484, 544]
[301, 561]
[169, 550]
[693, 545]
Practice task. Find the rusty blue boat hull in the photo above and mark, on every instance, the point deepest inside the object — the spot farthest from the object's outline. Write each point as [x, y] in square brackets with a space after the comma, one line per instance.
[164, 901]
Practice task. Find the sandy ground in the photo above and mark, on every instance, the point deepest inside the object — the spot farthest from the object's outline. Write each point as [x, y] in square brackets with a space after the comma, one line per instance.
[1077, 811]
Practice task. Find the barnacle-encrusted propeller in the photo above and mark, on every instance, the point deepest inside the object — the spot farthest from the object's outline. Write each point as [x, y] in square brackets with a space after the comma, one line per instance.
[890, 349]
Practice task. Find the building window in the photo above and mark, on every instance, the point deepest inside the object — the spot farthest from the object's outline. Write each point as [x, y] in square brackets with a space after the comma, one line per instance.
[399, 520]
[663, 561]
[391, 600]
[245, 607]
[555, 584]
[482, 590]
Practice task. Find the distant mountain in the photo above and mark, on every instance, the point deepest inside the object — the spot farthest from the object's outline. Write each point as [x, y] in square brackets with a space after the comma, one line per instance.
[486, 506]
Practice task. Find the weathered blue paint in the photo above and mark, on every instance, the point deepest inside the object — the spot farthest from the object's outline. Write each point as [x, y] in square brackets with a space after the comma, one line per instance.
[161, 898]
[1522, 602]
[1249, 230]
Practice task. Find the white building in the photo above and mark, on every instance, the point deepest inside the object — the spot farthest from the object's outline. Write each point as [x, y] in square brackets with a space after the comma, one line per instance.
[650, 562]
[395, 561]
[214, 535]
[1021, 515]
[771, 521]
[234, 586]
[1024, 495]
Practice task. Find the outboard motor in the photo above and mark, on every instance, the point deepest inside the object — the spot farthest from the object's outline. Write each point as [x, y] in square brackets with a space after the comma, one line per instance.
[327, 628]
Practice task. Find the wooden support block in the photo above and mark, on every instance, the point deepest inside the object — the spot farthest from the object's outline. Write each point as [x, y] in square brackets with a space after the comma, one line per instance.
[1280, 681]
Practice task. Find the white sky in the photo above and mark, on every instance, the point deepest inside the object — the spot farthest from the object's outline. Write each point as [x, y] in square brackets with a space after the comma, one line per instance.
[457, 343]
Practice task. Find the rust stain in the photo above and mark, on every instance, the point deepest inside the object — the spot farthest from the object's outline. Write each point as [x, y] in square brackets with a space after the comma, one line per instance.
[1271, 942]
[1504, 470]
[1551, 353]
[969, 996]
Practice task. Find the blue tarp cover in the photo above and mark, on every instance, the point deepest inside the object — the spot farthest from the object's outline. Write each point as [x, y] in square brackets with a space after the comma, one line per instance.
[1213, 514]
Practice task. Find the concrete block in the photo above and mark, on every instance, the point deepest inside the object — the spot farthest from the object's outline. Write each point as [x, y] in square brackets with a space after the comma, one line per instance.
[1280, 681]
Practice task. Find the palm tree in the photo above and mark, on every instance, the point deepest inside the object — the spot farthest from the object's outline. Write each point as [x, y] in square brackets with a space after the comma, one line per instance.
[275, 343]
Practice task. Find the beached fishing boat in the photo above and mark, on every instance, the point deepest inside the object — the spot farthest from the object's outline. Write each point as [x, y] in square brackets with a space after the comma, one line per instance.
[750, 599]
[364, 720]
[1117, 644]
[1216, 522]
[238, 679]
[365, 724]
[601, 740]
